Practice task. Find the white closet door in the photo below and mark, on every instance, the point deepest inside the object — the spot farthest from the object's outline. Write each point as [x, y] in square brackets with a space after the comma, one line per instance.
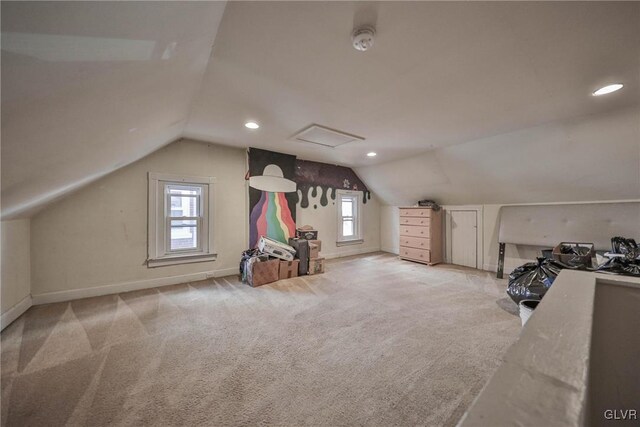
[464, 238]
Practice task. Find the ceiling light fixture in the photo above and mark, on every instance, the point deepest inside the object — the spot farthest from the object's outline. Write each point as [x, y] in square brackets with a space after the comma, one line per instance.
[372, 154]
[608, 89]
[251, 125]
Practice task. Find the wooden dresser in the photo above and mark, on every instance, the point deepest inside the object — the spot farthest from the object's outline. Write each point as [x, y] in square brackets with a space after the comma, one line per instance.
[421, 235]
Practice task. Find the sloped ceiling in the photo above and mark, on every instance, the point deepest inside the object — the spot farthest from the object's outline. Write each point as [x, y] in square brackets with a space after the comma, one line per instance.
[463, 91]
[585, 159]
[439, 74]
[88, 87]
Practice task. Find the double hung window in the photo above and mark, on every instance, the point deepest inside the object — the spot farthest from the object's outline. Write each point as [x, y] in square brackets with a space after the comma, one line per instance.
[180, 219]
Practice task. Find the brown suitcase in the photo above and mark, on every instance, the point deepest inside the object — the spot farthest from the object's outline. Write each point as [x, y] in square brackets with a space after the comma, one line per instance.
[302, 253]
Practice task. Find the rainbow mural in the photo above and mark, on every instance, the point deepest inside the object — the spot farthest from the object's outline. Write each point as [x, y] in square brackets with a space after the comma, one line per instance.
[272, 218]
[272, 196]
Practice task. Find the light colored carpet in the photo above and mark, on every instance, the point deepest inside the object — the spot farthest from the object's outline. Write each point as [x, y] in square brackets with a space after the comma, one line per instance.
[373, 341]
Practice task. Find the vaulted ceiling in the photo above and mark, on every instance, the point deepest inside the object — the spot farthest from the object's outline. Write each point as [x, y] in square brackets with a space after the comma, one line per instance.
[454, 96]
[88, 87]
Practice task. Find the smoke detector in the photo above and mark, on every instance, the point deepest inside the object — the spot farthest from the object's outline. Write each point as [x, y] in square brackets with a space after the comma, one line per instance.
[362, 38]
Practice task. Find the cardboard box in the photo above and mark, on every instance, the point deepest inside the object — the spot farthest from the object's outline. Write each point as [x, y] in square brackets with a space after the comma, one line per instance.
[245, 263]
[263, 272]
[289, 269]
[314, 250]
[318, 243]
[575, 254]
[316, 266]
[306, 232]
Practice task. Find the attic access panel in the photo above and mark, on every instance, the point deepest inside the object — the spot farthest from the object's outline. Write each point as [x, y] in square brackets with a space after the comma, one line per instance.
[324, 136]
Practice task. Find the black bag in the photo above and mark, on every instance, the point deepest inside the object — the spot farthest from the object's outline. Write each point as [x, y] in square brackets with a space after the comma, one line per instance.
[627, 265]
[626, 247]
[246, 255]
[533, 279]
[429, 204]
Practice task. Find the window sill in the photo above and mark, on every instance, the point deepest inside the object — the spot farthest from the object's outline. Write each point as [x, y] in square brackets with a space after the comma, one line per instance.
[350, 242]
[180, 259]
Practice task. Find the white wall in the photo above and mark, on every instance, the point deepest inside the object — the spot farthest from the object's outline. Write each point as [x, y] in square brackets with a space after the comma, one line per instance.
[16, 269]
[94, 242]
[515, 255]
[97, 236]
[324, 219]
[488, 259]
[390, 229]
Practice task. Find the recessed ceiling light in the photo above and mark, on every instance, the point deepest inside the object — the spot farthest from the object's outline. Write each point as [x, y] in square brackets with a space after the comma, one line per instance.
[252, 125]
[372, 154]
[608, 89]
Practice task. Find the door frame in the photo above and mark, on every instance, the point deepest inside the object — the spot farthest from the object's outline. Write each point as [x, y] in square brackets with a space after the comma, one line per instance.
[479, 232]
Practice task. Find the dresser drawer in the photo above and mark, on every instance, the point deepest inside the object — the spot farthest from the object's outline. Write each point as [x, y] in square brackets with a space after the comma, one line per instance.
[417, 254]
[418, 212]
[414, 220]
[415, 242]
[414, 231]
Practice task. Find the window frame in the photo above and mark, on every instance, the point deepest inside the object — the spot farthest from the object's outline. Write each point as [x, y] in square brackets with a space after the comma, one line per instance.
[159, 221]
[200, 220]
[356, 196]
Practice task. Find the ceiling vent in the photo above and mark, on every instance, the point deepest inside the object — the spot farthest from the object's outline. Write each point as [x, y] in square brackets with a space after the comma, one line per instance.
[320, 135]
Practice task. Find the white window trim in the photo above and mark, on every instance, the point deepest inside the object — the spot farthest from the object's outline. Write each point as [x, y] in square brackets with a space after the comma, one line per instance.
[156, 256]
[356, 239]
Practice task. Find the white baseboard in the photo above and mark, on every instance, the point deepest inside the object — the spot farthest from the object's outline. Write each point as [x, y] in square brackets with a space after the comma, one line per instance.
[490, 267]
[508, 268]
[16, 311]
[73, 294]
[351, 252]
[390, 250]
[97, 291]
